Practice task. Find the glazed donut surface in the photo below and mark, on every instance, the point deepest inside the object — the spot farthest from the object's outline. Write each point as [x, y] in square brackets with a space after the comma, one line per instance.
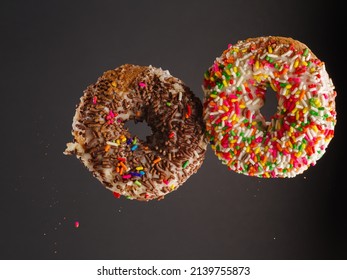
[125, 164]
[297, 135]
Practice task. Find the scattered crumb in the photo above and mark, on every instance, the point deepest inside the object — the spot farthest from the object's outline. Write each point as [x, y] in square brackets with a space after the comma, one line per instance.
[77, 224]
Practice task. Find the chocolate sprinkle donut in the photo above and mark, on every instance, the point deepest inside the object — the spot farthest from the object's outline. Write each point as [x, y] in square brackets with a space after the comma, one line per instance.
[123, 163]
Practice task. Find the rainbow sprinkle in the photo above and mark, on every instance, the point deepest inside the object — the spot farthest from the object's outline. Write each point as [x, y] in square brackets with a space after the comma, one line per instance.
[185, 164]
[189, 111]
[296, 136]
[110, 117]
[142, 84]
[156, 160]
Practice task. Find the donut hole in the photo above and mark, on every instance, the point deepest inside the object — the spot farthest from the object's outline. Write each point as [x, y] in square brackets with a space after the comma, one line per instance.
[140, 129]
[269, 108]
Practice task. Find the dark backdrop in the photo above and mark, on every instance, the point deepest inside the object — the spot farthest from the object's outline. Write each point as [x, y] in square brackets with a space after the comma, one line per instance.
[52, 50]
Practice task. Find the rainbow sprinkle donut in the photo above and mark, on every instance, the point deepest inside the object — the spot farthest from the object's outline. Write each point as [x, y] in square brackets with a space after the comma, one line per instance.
[235, 89]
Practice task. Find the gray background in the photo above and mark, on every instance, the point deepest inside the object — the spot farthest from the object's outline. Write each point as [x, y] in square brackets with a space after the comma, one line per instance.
[52, 50]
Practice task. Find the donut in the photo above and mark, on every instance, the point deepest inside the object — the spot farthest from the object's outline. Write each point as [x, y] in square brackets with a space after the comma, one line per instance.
[126, 165]
[235, 87]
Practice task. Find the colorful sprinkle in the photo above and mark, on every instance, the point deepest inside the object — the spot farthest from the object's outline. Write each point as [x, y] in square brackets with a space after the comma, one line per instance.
[107, 148]
[133, 148]
[166, 182]
[123, 165]
[185, 164]
[112, 144]
[136, 174]
[189, 111]
[142, 84]
[110, 117]
[138, 183]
